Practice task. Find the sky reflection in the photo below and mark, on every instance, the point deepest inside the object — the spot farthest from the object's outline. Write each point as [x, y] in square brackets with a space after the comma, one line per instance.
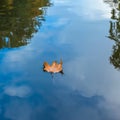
[85, 9]
[89, 89]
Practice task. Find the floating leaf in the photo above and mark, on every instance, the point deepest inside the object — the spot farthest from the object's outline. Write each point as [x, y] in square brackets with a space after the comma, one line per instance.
[54, 68]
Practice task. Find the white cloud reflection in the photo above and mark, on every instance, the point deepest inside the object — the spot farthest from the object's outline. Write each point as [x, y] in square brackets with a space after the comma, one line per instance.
[18, 91]
[93, 78]
[92, 10]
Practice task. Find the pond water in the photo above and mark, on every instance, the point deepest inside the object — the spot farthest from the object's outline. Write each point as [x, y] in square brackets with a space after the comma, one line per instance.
[85, 35]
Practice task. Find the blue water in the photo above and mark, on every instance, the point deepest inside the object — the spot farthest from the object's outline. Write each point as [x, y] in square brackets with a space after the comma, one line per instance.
[76, 32]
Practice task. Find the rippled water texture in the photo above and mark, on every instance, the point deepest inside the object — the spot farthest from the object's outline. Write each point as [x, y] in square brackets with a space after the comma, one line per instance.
[84, 35]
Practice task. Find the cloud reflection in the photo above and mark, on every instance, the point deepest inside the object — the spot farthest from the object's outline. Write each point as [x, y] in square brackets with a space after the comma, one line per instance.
[18, 91]
[95, 10]
[92, 10]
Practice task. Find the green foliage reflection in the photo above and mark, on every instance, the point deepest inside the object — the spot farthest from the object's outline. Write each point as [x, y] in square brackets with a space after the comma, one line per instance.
[19, 19]
[114, 32]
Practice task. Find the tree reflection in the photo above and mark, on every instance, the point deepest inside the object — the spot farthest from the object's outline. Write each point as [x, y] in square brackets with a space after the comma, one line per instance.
[19, 19]
[114, 32]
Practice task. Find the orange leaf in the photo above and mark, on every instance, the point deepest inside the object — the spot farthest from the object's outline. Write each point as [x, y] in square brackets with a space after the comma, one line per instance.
[54, 68]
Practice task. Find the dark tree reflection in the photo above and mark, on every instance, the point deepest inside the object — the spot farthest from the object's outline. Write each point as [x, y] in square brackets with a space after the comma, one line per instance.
[19, 19]
[114, 32]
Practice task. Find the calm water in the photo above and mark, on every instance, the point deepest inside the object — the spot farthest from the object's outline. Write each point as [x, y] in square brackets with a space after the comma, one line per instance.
[85, 35]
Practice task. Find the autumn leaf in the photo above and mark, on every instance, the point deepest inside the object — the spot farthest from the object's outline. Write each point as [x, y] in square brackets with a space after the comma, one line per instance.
[54, 68]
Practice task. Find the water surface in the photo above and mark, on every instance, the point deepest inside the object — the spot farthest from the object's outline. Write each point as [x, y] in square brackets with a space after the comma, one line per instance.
[85, 35]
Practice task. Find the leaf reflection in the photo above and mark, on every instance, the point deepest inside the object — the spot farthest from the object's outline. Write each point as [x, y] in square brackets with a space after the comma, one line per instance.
[114, 32]
[53, 68]
[19, 19]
